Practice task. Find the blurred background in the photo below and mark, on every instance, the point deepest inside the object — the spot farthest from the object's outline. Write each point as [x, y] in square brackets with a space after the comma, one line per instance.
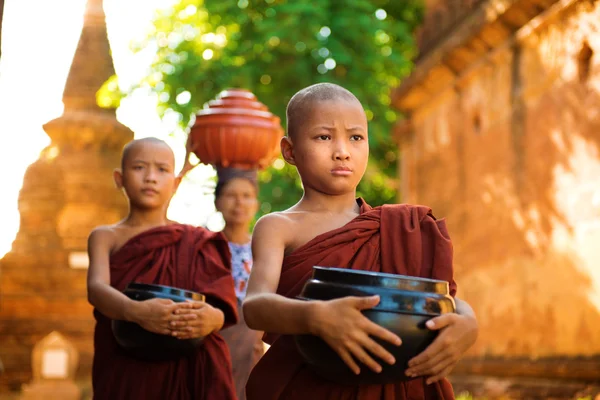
[486, 110]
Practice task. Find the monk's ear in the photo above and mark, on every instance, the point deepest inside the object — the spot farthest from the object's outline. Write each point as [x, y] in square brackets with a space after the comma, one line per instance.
[287, 150]
[118, 177]
[177, 183]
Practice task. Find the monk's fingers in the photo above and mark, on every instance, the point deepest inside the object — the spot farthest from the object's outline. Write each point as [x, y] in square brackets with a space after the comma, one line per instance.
[179, 324]
[441, 366]
[195, 305]
[188, 306]
[191, 333]
[163, 331]
[432, 366]
[180, 311]
[193, 323]
[189, 325]
[378, 331]
[362, 303]
[168, 309]
[439, 345]
[180, 331]
[377, 350]
[183, 317]
[165, 302]
[155, 327]
[348, 360]
[444, 373]
[360, 354]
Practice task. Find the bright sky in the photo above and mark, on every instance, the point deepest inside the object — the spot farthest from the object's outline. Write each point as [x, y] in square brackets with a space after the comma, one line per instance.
[37, 50]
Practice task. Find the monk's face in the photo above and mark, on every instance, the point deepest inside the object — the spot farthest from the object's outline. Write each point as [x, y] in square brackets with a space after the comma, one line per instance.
[237, 202]
[331, 149]
[148, 175]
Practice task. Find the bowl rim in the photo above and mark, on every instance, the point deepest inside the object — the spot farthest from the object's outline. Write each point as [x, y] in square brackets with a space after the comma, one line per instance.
[170, 290]
[377, 274]
[382, 279]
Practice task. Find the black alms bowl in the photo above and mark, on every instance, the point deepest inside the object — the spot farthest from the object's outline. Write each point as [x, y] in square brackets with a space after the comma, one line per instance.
[148, 345]
[406, 303]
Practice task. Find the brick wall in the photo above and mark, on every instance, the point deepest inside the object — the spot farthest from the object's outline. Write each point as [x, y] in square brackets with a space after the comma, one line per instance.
[510, 154]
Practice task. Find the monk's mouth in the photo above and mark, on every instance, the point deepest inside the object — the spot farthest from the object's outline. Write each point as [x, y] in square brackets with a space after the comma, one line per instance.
[341, 172]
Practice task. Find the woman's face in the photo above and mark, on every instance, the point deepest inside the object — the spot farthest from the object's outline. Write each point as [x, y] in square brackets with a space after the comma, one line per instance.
[237, 201]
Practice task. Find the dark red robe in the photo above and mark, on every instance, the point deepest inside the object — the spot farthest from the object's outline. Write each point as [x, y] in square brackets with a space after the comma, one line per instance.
[186, 257]
[398, 239]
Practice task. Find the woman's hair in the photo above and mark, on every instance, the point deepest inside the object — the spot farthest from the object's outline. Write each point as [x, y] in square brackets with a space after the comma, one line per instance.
[224, 175]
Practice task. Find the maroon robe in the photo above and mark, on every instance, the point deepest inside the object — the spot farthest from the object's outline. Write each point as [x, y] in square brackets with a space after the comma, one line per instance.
[189, 258]
[397, 239]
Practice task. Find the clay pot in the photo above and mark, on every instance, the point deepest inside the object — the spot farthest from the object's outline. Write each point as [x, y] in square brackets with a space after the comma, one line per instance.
[146, 345]
[235, 130]
[406, 303]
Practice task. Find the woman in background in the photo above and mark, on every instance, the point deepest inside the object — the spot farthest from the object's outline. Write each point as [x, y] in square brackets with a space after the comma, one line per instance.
[236, 197]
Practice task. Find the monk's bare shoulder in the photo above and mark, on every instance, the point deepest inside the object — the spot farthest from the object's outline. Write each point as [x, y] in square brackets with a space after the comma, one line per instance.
[103, 237]
[113, 236]
[274, 225]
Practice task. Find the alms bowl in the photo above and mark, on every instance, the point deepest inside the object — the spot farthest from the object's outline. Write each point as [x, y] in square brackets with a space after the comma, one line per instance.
[406, 304]
[143, 344]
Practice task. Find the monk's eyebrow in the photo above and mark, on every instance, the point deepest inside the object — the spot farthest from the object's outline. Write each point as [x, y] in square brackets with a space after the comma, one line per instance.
[325, 127]
[139, 162]
[356, 128]
[164, 165]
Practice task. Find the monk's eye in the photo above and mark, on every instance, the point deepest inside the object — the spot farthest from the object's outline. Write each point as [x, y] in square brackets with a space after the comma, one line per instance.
[137, 167]
[356, 138]
[324, 137]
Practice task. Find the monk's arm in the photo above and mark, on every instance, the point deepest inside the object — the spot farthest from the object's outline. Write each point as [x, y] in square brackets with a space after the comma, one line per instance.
[264, 310]
[108, 300]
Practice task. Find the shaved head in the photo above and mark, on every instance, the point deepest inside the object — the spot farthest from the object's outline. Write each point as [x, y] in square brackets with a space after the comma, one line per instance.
[302, 104]
[134, 144]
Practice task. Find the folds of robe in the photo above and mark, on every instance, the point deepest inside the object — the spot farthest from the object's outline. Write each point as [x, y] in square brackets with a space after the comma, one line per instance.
[398, 239]
[189, 258]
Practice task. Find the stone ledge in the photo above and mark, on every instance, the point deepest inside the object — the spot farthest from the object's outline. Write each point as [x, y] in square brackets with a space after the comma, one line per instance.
[585, 369]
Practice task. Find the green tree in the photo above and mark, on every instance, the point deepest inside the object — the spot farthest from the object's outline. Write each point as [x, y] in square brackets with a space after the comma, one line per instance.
[276, 47]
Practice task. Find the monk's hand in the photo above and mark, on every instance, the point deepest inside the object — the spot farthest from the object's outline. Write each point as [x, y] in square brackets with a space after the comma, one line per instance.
[207, 319]
[457, 334]
[156, 315]
[348, 332]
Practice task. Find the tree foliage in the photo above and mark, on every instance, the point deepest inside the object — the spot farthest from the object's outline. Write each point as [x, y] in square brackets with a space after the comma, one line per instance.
[275, 48]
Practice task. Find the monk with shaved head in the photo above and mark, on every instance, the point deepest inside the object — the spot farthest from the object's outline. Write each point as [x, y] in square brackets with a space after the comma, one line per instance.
[327, 142]
[146, 247]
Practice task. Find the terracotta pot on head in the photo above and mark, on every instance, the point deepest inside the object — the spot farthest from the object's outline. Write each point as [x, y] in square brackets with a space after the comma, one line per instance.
[234, 130]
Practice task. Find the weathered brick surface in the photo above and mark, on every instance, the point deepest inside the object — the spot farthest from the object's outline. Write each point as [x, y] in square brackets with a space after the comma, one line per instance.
[509, 152]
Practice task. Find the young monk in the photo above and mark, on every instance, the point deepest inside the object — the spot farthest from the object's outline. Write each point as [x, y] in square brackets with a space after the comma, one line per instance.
[146, 247]
[327, 142]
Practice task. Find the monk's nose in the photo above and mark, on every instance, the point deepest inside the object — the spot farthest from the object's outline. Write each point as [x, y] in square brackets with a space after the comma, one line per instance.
[151, 176]
[341, 152]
